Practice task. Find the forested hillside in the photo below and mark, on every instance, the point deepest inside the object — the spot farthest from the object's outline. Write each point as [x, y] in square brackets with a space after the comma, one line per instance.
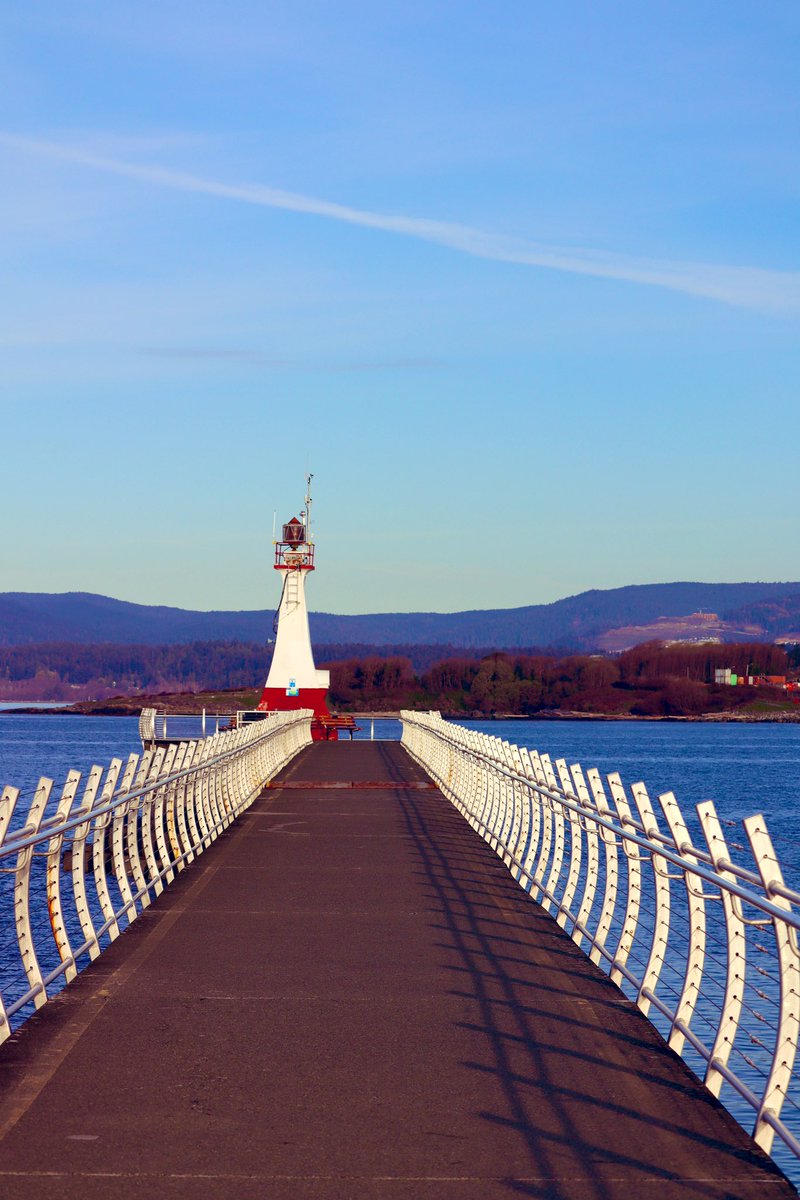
[66, 671]
[652, 680]
[575, 623]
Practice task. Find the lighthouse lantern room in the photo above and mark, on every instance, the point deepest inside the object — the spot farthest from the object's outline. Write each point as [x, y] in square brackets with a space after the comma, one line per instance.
[293, 680]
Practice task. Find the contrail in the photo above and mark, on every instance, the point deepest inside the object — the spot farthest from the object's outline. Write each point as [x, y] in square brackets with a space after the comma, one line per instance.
[746, 287]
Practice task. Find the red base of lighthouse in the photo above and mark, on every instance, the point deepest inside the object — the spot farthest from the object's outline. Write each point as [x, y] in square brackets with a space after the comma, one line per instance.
[276, 700]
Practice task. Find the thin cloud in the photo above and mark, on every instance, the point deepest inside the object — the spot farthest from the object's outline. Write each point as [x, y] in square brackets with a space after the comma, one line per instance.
[746, 287]
[256, 358]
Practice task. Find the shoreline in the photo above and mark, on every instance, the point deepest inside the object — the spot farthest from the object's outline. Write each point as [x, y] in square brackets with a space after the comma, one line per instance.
[104, 709]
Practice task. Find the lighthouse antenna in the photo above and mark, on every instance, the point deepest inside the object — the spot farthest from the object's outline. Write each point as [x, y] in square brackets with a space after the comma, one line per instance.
[307, 516]
[274, 519]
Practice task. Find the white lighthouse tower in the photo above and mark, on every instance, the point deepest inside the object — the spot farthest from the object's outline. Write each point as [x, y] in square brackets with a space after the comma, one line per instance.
[293, 680]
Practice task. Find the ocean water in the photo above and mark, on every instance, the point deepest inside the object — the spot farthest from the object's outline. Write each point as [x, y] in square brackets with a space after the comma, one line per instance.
[50, 745]
[743, 768]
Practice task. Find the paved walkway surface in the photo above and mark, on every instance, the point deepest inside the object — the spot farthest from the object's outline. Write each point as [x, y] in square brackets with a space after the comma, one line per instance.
[348, 996]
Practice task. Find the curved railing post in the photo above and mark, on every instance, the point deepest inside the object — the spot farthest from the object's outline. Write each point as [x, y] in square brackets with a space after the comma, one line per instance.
[172, 810]
[546, 813]
[534, 806]
[22, 885]
[661, 918]
[101, 823]
[696, 911]
[146, 812]
[78, 871]
[161, 798]
[8, 802]
[592, 854]
[118, 842]
[736, 951]
[559, 842]
[187, 824]
[786, 1035]
[133, 834]
[55, 907]
[633, 898]
[575, 847]
[611, 851]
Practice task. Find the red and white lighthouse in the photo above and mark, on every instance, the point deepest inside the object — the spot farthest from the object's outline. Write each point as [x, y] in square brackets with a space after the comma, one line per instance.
[293, 680]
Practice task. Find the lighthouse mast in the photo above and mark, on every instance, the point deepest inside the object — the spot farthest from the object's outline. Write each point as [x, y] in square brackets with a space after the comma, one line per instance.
[306, 514]
[293, 680]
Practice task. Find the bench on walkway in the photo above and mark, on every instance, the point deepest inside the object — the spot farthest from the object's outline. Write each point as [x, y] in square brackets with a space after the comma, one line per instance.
[341, 724]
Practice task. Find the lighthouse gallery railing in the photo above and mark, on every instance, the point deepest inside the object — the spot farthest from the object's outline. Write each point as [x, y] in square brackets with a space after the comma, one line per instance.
[715, 967]
[77, 875]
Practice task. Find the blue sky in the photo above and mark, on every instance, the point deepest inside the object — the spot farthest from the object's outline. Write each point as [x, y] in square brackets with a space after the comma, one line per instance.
[518, 282]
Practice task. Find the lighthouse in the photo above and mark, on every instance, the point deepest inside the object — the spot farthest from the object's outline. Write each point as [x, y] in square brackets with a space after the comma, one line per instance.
[293, 680]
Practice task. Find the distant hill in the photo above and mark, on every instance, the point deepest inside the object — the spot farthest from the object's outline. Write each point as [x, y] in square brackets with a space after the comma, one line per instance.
[766, 621]
[779, 616]
[88, 618]
[578, 622]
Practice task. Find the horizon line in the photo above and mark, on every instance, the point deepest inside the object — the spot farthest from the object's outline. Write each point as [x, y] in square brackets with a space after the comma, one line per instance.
[419, 611]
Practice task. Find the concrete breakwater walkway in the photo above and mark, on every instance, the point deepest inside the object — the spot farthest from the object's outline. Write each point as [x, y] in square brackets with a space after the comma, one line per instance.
[348, 996]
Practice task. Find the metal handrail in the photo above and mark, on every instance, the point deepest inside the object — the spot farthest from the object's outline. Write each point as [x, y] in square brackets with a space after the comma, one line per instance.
[610, 879]
[136, 833]
[51, 826]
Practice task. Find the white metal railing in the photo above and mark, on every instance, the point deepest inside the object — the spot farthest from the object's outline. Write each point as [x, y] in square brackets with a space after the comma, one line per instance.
[155, 726]
[707, 947]
[76, 871]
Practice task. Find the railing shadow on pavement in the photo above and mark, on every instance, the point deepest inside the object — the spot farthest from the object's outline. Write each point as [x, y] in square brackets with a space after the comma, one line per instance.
[712, 961]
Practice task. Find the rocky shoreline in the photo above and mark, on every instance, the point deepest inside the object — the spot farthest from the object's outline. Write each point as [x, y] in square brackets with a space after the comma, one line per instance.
[227, 704]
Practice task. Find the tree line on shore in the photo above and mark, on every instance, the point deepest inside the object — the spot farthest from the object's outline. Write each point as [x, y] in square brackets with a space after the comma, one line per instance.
[649, 680]
[68, 670]
[652, 679]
